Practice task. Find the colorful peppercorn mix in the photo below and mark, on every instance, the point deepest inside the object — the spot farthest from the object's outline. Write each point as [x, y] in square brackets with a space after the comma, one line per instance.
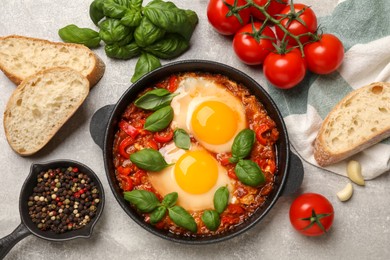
[63, 200]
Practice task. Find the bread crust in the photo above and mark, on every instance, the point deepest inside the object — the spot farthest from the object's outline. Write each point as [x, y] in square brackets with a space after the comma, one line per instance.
[49, 134]
[93, 76]
[324, 156]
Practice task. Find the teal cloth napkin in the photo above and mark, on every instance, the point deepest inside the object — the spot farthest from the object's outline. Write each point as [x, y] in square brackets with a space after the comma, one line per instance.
[364, 28]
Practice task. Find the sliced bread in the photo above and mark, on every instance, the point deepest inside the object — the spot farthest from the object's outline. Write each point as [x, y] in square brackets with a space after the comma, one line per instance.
[40, 105]
[359, 120]
[21, 57]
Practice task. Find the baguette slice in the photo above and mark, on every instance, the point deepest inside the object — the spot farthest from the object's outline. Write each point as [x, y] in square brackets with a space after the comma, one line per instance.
[359, 120]
[21, 57]
[40, 105]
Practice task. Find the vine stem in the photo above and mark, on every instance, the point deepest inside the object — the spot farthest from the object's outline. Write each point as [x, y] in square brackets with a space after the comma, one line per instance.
[277, 22]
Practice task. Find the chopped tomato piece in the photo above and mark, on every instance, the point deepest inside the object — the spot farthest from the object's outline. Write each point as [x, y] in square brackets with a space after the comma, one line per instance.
[260, 130]
[173, 84]
[129, 129]
[152, 144]
[266, 165]
[123, 146]
[224, 158]
[228, 220]
[164, 137]
[232, 174]
[123, 170]
[138, 176]
[235, 209]
[127, 183]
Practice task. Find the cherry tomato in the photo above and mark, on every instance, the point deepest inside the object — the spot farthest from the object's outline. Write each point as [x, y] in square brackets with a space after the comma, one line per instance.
[129, 129]
[294, 26]
[216, 14]
[311, 214]
[285, 70]
[325, 55]
[251, 46]
[123, 146]
[273, 9]
[126, 182]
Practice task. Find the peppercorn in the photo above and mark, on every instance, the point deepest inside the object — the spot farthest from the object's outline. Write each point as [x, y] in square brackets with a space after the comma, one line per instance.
[61, 200]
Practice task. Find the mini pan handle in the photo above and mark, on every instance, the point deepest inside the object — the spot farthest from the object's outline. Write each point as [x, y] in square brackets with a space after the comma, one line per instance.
[294, 177]
[8, 242]
[99, 124]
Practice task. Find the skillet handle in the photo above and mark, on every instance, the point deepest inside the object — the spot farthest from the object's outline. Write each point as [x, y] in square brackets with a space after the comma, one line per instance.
[295, 175]
[8, 242]
[99, 124]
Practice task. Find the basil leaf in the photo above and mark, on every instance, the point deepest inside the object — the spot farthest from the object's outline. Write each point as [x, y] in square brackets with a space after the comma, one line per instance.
[193, 19]
[211, 219]
[221, 199]
[249, 173]
[136, 4]
[242, 144]
[114, 8]
[170, 199]
[167, 16]
[145, 201]
[181, 139]
[127, 40]
[85, 36]
[157, 215]
[96, 11]
[146, 63]
[169, 47]
[159, 120]
[147, 33]
[155, 99]
[132, 18]
[182, 218]
[111, 31]
[149, 159]
[122, 52]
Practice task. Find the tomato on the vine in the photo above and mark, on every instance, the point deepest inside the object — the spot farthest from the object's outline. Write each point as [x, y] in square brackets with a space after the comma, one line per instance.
[252, 46]
[325, 55]
[300, 19]
[217, 11]
[311, 214]
[285, 70]
[274, 8]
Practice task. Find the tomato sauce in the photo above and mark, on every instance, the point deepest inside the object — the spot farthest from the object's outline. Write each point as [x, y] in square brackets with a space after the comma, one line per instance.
[245, 200]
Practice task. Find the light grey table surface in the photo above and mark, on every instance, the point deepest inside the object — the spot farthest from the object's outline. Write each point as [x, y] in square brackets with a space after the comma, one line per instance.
[361, 228]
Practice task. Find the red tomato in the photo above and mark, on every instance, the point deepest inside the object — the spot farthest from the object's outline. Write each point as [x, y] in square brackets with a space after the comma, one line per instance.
[311, 214]
[250, 47]
[285, 70]
[163, 137]
[260, 130]
[325, 55]
[294, 26]
[216, 14]
[273, 9]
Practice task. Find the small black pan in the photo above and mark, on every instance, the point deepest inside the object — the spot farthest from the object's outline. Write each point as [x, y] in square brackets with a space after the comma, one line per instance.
[27, 227]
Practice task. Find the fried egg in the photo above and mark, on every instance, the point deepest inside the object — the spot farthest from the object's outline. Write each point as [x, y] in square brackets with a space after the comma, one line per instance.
[209, 112]
[195, 175]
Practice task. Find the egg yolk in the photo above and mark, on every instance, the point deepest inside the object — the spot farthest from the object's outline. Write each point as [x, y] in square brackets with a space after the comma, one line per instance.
[214, 122]
[196, 172]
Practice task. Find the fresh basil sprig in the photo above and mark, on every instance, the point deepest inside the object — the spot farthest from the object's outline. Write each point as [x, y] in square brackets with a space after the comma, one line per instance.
[145, 201]
[181, 139]
[158, 214]
[122, 52]
[112, 31]
[211, 219]
[249, 173]
[96, 11]
[159, 120]
[242, 145]
[182, 218]
[146, 63]
[169, 47]
[170, 199]
[155, 99]
[86, 36]
[221, 199]
[147, 33]
[149, 159]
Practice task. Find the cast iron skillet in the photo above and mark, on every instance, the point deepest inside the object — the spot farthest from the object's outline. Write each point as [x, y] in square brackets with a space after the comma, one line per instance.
[104, 125]
[27, 227]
